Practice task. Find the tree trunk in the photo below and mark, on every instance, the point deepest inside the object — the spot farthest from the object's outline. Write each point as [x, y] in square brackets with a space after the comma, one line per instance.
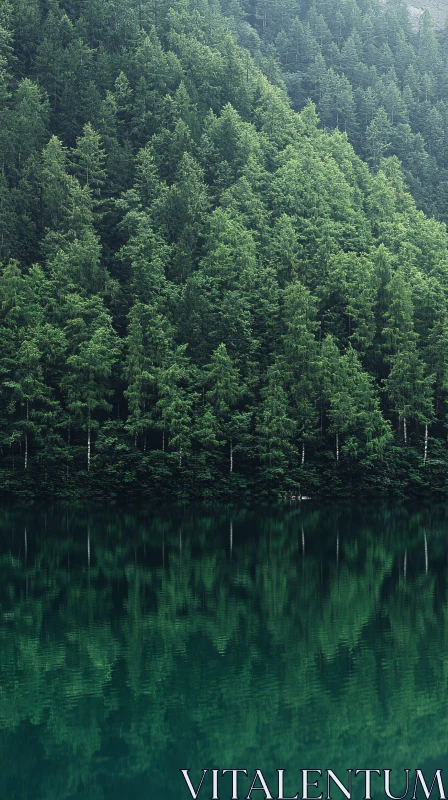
[68, 443]
[337, 448]
[163, 440]
[425, 456]
[26, 435]
[426, 552]
[303, 453]
[180, 458]
[405, 430]
[231, 456]
[88, 445]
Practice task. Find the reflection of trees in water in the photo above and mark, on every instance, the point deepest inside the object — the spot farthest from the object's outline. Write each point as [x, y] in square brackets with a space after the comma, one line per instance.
[164, 642]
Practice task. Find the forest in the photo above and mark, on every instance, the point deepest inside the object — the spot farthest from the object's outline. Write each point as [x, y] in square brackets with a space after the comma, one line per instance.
[224, 249]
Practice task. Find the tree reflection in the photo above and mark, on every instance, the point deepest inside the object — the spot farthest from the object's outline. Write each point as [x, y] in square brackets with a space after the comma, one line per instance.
[299, 641]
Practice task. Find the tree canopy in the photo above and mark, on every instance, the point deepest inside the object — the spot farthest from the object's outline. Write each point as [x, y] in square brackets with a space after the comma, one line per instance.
[224, 255]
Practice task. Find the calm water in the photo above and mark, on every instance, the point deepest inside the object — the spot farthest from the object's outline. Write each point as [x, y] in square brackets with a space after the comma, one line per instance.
[136, 644]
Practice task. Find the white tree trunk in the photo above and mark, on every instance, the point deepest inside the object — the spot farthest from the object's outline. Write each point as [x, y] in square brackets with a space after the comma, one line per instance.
[337, 448]
[26, 436]
[180, 458]
[231, 456]
[163, 440]
[88, 446]
[303, 453]
[405, 430]
[425, 456]
[426, 552]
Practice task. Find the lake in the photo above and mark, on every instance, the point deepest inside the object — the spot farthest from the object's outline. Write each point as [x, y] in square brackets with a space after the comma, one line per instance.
[138, 642]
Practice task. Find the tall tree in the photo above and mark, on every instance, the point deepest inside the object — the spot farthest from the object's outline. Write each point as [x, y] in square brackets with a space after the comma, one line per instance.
[93, 351]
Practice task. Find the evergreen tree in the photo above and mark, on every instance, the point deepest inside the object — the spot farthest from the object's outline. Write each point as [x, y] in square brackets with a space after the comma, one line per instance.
[93, 351]
[224, 392]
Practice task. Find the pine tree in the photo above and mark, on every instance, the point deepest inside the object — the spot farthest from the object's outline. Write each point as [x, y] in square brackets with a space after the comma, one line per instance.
[175, 403]
[89, 158]
[224, 392]
[93, 351]
[276, 432]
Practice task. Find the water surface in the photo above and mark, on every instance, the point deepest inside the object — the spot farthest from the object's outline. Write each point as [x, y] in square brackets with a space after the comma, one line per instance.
[136, 643]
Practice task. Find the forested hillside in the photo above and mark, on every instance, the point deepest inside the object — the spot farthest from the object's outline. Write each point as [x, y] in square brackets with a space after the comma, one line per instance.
[374, 71]
[205, 292]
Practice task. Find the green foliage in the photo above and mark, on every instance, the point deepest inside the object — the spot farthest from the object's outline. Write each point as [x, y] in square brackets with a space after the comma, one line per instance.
[206, 280]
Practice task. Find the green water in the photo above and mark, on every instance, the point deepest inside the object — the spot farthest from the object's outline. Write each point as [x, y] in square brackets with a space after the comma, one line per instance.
[137, 643]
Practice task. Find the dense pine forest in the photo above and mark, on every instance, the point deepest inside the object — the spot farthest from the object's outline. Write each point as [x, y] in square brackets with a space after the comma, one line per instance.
[224, 248]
